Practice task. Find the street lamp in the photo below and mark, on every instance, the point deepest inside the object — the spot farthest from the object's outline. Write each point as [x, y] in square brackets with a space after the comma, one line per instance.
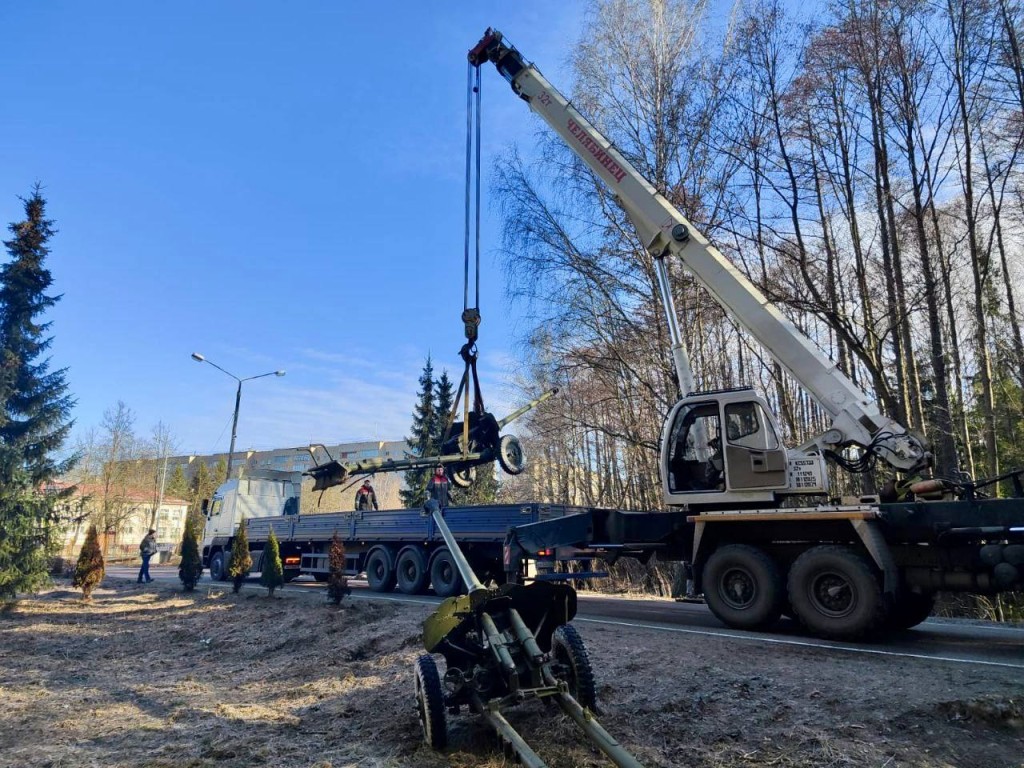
[238, 400]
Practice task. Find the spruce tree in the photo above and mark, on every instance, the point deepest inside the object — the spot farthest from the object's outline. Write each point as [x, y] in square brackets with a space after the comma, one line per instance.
[34, 408]
[272, 575]
[89, 570]
[241, 561]
[337, 582]
[443, 406]
[191, 566]
[422, 439]
[177, 486]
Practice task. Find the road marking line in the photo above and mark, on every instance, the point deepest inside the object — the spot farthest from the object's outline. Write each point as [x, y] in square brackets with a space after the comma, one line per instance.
[802, 643]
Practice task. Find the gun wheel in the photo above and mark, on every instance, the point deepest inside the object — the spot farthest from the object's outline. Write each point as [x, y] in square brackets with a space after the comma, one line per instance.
[572, 664]
[510, 455]
[463, 478]
[430, 703]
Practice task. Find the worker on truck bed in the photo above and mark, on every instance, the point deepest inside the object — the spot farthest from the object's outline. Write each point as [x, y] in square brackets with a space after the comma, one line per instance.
[437, 488]
[365, 497]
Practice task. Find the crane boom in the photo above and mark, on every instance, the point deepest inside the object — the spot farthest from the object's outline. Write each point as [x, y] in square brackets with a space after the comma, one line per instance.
[663, 230]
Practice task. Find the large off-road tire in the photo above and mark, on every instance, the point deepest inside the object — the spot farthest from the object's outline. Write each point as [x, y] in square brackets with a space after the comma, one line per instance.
[321, 578]
[380, 570]
[836, 593]
[430, 703]
[571, 663]
[743, 587]
[411, 571]
[510, 455]
[909, 609]
[444, 576]
[218, 567]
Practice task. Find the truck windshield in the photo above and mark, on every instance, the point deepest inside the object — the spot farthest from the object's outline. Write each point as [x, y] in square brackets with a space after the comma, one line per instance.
[215, 507]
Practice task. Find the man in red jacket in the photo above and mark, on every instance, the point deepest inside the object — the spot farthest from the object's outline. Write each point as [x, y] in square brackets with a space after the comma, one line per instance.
[365, 497]
[438, 487]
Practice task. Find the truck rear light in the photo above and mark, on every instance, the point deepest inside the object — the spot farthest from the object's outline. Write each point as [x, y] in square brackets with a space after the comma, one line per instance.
[546, 553]
[291, 561]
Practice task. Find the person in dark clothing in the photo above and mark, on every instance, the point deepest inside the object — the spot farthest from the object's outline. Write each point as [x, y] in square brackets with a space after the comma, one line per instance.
[437, 488]
[365, 497]
[147, 548]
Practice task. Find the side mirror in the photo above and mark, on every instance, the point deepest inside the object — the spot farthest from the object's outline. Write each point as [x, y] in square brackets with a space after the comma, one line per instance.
[205, 507]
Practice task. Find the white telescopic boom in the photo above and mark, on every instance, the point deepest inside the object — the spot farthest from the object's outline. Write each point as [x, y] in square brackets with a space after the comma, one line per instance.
[663, 229]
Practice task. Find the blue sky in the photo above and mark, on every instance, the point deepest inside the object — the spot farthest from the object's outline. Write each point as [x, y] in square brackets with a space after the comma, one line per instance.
[274, 185]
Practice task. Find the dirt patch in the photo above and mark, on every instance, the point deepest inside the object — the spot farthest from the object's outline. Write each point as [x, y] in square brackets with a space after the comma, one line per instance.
[153, 677]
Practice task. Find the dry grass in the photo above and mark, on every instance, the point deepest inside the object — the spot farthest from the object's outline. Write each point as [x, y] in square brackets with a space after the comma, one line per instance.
[153, 677]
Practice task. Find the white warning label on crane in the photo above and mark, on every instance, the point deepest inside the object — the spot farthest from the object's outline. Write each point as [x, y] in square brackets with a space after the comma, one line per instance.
[807, 475]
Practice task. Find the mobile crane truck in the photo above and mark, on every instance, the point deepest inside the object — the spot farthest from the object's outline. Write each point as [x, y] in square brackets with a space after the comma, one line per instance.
[734, 490]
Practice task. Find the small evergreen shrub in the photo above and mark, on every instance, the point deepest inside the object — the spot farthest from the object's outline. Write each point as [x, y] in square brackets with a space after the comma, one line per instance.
[337, 582]
[191, 566]
[89, 570]
[272, 575]
[241, 561]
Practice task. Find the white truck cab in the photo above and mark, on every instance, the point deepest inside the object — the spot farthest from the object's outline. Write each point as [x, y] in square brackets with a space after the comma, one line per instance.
[260, 494]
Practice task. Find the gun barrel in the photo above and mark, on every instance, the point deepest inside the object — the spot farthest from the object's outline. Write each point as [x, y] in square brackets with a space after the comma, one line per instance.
[468, 577]
[528, 407]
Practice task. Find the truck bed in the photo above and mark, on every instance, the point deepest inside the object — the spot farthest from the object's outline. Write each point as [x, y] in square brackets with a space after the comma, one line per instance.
[484, 523]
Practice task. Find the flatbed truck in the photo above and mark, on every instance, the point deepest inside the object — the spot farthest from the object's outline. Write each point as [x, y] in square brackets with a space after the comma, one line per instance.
[394, 547]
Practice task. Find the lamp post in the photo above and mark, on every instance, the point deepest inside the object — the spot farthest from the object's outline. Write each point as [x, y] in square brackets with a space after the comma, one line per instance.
[238, 400]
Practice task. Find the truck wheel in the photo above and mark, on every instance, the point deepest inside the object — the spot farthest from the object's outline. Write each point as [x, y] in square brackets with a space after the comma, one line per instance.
[380, 573]
[430, 703]
[909, 609]
[411, 571]
[444, 576]
[218, 568]
[510, 455]
[572, 664]
[321, 578]
[290, 574]
[835, 593]
[743, 587]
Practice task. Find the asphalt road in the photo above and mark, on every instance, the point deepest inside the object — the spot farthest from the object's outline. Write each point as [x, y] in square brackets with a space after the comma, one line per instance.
[943, 641]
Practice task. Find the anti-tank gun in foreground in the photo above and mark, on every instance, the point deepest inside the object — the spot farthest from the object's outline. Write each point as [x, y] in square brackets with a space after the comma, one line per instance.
[502, 647]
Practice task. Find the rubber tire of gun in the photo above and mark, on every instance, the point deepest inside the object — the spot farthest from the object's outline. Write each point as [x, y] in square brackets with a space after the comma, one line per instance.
[569, 651]
[430, 703]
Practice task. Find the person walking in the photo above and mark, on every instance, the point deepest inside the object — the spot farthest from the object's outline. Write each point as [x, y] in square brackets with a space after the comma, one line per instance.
[365, 497]
[437, 488]
[147, 548]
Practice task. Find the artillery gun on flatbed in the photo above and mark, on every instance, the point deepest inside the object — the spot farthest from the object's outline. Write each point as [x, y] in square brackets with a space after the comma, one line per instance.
[502, 647]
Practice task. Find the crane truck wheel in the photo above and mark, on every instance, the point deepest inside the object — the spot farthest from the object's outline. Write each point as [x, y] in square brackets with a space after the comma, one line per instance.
[218, 567]
[743, 587]
[411, 571]
[510, 455]
[572, 665]
[909, 609]
[835, 593]
[430, 703]
[444, 576]
[380, 571]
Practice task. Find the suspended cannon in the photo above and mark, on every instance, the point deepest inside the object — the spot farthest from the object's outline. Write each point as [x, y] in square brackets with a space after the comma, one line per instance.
[459, 456]
[503, 647]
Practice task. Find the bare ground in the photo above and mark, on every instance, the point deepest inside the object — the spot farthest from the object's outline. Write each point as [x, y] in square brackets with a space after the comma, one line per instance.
[154, 677]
